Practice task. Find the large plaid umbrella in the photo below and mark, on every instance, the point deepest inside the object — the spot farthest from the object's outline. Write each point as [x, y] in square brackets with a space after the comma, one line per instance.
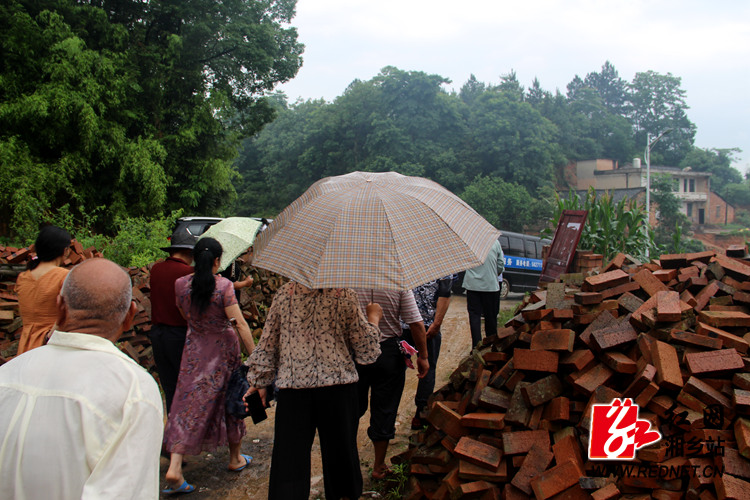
[383, 231]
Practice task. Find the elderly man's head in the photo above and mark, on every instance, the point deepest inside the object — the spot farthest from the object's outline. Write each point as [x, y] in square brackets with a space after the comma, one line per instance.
[96, 298]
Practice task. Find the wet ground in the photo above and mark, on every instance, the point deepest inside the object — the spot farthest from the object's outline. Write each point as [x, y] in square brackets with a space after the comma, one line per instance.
[208, 471]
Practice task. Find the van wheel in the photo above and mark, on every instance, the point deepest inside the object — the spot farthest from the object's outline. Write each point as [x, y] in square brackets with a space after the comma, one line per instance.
[504, 289]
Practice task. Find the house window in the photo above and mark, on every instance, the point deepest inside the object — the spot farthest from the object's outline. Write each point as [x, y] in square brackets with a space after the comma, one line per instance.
[718, 212]
[692, 185]
[684, 185]
[689, 209]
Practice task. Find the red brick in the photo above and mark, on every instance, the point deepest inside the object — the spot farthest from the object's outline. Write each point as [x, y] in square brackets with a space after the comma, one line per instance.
[668, 306]
[667, 365]
[518, 442]
[643, 378]
[587, 298]
[555, 480]
[646, 394]
[510, 492]
[602, 320]
[741, 401]
[742, 381]
[482, 380]
[704, 296]
[577, 360]
[568, 448]
[629, 302]
[733, 463]
[722, 319]
[543, 390]
[734, 268]
[731, 488]
[472, 489]
[673, 261]
[619, 362]
[519, 411]
[605, 280]
[705, 393]
[694, 340]
[649, 283]
[714, 362]
[727, 339]
[553, 340]
[540, 361]
[492, 421]
[473, 472]
[594, 377]
[614, 337]
[447, 420]
[609, 492]
[536, 461]
[742, 435]
[494, 399]
[557, 410]
[478, 453]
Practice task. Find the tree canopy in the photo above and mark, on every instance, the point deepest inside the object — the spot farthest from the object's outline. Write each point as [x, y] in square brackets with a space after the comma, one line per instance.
[126, 108]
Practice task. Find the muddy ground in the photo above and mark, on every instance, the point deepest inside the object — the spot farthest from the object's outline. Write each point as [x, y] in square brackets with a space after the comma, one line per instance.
[208, 471]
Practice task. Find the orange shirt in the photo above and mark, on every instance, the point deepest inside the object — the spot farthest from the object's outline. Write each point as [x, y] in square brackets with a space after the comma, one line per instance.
[37, 301]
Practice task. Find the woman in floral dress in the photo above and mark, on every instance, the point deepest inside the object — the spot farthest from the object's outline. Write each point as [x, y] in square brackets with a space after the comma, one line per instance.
[198, 420]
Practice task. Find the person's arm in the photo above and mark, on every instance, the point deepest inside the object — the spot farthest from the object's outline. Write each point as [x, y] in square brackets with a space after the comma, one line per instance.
[263, 361]
[500, 259]
[234, 312]
[363, 331]
[440, 309]
[244, 283]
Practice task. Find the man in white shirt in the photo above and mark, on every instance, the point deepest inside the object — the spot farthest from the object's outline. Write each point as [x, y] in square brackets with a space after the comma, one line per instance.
[78, 418]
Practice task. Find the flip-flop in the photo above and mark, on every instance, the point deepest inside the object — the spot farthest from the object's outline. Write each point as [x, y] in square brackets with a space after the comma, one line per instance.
[185, 487]
[248, 459]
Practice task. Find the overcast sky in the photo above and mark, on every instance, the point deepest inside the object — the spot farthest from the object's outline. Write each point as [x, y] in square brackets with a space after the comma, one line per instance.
[707, 44]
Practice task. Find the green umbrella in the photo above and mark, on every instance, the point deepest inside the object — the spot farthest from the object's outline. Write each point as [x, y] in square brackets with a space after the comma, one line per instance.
[236, 235]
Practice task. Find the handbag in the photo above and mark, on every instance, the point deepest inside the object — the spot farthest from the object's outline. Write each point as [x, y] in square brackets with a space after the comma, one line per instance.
[236, 389]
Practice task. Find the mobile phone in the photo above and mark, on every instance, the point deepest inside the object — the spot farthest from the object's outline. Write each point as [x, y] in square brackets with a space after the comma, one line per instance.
[255, 405]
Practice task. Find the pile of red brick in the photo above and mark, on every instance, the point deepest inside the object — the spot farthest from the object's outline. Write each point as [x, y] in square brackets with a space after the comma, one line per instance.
[135, 343]
[671, 336]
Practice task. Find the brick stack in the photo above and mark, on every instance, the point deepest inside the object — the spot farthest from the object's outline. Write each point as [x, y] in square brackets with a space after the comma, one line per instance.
[671, 335]
[254, 302]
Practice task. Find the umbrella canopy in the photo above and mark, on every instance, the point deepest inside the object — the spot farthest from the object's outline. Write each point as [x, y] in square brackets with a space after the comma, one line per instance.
[236, 235]
[382, 231]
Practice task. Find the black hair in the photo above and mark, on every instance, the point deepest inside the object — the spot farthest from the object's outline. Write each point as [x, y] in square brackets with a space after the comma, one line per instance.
[206, 251]
[50, 244]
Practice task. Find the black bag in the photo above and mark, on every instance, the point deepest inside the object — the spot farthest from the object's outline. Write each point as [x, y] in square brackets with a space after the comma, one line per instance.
[236, 389]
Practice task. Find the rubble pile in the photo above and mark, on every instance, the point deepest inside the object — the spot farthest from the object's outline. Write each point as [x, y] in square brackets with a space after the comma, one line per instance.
[670, 337]
[254, 301]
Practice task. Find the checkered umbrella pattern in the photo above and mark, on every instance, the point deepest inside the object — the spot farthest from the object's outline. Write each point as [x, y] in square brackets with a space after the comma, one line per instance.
[383, 231]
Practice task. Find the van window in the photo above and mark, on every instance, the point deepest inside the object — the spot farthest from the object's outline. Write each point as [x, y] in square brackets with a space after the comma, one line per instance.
[516, 246]
[503, 242]
[530, 249]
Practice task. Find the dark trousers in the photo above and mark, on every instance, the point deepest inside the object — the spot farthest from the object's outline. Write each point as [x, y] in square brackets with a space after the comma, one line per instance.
[167, 343]
[480, 304]
[384, 382]
[332, 411]
[426, 385]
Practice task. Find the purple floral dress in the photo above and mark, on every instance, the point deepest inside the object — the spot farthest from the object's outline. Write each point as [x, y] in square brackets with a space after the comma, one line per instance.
[198, 420]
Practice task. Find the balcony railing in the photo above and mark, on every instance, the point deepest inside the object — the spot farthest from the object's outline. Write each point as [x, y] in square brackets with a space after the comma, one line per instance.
[692, 196]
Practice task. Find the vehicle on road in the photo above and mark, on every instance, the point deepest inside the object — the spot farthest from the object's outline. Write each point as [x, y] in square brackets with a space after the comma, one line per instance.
[523, 263]
[196, 226]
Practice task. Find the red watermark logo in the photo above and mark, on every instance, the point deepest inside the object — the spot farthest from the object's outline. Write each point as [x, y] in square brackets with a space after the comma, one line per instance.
[616, 432]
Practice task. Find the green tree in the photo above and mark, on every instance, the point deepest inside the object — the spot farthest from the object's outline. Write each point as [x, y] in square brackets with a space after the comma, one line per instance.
[656, 103]
[132, 108]
[505, 205]
[718, 162]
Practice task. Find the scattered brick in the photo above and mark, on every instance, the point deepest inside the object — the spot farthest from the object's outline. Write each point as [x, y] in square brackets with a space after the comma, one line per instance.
[713, 362]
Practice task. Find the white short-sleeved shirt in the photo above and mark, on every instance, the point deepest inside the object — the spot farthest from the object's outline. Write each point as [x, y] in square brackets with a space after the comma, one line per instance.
[78, 420]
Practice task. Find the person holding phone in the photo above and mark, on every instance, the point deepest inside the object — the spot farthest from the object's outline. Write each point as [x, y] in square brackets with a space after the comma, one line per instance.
[310, 343]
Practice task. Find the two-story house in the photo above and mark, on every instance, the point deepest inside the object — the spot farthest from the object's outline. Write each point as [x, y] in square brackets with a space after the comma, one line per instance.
[693, 189]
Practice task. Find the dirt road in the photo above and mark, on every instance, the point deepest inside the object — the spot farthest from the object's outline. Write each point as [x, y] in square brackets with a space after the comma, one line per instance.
[208, 472]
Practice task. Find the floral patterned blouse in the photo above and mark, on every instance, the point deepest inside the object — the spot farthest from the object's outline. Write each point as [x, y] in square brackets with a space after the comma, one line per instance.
[312, 338]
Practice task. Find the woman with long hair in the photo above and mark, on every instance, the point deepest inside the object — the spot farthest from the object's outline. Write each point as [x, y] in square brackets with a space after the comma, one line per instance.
[37, 287]
[198, 420]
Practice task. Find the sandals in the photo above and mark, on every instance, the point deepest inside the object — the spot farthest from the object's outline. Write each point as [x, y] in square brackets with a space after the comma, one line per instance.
[248, 459]
[185, 487]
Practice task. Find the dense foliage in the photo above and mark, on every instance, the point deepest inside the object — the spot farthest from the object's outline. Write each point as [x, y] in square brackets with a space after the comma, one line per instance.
[501, 147]
[126, 108]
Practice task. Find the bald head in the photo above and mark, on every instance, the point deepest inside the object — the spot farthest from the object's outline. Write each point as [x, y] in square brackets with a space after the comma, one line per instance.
[96, 294]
